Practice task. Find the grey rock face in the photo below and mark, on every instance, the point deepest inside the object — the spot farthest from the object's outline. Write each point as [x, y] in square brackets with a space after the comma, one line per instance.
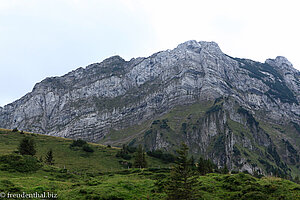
[115, 93]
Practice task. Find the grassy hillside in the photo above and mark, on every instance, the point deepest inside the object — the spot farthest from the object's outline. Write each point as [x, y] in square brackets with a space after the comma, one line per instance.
[99, 175]
[144, 184]
[103, 158]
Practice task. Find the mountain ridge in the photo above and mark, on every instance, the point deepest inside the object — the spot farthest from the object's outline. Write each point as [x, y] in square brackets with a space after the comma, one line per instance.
[255, 104]
[184, 51]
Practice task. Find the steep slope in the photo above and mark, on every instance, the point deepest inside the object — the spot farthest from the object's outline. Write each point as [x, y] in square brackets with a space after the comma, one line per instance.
[113, 96]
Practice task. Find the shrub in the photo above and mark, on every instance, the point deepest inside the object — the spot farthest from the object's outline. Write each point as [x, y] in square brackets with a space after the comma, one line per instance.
[15, 130]
[78, 143]
[131, 149]
[87, 148]
[8, 186]
[19, 163]
[166, 157]
[124, 153]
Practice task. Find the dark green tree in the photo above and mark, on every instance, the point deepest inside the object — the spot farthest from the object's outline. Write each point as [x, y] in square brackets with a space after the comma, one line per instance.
[49, 158]
[27, 146]
[296, 179]
[201, 166]
[140, 158]
[225, 170]
[124, 153]
[87, 148]
[205, 166]
[182, 180]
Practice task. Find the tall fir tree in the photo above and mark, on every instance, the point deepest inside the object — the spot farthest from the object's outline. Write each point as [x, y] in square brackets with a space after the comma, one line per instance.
[27, 146]
[140, 158]
[182, 180]
[49, 158]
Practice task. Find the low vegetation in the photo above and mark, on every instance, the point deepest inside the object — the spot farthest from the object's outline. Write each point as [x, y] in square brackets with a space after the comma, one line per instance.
[106, 177]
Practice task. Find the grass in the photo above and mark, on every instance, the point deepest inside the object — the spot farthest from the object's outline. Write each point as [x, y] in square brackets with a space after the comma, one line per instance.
[103, 159]
[142, 184]
[77, 175]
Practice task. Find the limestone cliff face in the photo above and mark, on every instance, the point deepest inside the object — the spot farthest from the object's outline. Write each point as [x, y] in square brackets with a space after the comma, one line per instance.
[256, 105]
[87, 102]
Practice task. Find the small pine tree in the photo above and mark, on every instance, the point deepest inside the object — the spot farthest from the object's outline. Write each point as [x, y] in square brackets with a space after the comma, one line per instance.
[225, 170]
[182, 180]
[205, 166]
[296, 180]
[140, 158]
[27, 146]
[201, 166]
[49, 158]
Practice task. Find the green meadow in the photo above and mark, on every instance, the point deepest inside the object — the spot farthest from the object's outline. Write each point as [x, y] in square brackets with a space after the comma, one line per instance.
[77, 174]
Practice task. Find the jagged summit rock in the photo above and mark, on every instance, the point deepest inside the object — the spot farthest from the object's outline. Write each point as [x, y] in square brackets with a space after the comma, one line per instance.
[281, 62]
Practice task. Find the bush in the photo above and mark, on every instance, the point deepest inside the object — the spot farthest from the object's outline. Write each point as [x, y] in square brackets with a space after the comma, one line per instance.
[19, 163]
[8, 186]
[124, 153]
[87, 148]
[78, 143]
[15, 130]
[131, 149]
[166, 157]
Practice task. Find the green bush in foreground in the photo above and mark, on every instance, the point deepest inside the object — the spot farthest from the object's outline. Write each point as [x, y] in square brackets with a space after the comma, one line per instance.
[19, 163]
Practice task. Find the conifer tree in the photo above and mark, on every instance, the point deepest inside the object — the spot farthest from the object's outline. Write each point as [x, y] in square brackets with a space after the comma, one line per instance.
[140, 158]
[27, 146]
[201, 166]
[225, 170]
[205, 166]
[182, 180]
[49, 157]
[297, 180]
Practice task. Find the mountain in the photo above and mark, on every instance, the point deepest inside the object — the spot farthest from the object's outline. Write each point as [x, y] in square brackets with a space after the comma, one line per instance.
[238, 112]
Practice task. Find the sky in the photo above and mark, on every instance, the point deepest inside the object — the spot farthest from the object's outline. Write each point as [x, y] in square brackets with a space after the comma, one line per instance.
[44, 38]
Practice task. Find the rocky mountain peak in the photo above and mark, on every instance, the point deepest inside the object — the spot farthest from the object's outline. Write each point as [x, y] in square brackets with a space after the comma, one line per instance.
[193, 45]
[282, 63]
[113, 59]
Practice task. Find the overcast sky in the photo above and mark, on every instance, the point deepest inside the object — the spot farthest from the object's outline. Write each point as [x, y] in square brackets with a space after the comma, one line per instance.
[42, 38]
